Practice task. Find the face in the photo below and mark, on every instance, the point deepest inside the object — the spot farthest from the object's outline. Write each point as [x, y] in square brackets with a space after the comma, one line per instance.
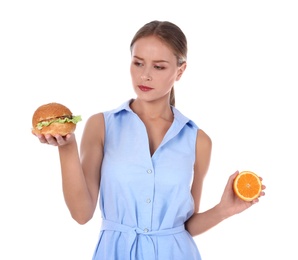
[153, 69]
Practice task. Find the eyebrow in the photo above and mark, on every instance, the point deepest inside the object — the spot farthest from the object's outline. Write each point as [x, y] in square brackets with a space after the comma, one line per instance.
[137, 57]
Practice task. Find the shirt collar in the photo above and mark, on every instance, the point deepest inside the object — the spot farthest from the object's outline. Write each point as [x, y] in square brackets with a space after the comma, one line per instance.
[178, 116]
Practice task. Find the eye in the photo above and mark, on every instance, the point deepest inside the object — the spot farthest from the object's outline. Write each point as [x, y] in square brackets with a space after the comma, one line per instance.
[159, 67]
[138, 64]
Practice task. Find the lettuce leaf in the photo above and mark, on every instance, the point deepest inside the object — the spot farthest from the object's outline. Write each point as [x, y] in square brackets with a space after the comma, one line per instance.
[74, 120]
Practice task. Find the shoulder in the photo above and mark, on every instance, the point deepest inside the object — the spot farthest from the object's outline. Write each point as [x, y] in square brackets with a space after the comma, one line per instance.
[96, 124]
[203, 153]
[183, 120]
[203, 140]
[94, 130]
[96, 119]
[101, 117]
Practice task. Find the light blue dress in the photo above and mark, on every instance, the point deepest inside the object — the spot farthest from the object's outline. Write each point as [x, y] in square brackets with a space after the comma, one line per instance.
[146, 200]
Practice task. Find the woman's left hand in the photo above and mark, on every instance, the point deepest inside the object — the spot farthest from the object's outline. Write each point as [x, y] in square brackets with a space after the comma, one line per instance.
[231, 202]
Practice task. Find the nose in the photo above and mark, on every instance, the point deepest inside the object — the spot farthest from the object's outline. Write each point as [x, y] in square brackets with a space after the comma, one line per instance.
[146, 78]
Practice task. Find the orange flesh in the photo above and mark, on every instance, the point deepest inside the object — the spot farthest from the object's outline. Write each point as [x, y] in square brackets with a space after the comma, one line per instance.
[247, 186]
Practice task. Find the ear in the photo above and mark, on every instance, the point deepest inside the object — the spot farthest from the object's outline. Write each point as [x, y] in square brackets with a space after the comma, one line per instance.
[181, 69]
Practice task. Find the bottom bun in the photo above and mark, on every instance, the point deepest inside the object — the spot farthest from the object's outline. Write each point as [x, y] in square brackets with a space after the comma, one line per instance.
[56, 129]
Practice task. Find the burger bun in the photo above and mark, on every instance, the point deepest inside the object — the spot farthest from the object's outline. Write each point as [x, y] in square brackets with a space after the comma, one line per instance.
[52, 111]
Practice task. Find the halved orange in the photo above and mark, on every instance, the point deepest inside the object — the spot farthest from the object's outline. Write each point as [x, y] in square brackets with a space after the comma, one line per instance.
[247, 185]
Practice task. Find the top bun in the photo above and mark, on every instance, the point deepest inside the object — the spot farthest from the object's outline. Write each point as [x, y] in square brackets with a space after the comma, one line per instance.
[51, 111]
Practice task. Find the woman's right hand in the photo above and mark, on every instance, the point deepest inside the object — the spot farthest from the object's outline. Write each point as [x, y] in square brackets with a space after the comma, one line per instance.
[56, 140]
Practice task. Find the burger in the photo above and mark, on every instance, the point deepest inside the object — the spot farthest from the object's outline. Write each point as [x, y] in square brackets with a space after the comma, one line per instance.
[54, 119]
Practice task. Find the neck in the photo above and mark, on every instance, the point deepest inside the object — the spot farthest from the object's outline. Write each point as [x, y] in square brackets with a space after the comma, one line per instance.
[152, 110]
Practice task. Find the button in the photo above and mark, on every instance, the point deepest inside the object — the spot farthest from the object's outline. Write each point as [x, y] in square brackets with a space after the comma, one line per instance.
[149, 171]
[146, 230]
[148, 200]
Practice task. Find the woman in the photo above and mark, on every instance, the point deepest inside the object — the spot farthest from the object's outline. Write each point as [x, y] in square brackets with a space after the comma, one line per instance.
[146, 160]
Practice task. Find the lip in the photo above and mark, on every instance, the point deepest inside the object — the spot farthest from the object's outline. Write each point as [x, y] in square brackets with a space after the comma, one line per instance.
[144, 88]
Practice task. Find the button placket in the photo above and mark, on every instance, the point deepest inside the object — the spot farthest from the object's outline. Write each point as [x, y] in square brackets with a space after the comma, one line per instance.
[148, 193]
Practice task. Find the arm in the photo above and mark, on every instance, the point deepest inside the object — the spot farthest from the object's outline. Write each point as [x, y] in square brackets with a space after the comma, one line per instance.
[81, 173]
[229, 204]
[81, 177]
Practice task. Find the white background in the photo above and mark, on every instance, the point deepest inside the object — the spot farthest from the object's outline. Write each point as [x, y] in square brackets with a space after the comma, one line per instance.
[239, 87]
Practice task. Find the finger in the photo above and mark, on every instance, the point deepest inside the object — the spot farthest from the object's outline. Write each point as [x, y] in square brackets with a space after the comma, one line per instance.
[61, 140]
[255, 201]
[233, 176]
[51, 140]
[41, 138]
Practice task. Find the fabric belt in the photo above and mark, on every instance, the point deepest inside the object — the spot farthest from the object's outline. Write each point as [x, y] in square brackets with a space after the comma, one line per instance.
[133, 232]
